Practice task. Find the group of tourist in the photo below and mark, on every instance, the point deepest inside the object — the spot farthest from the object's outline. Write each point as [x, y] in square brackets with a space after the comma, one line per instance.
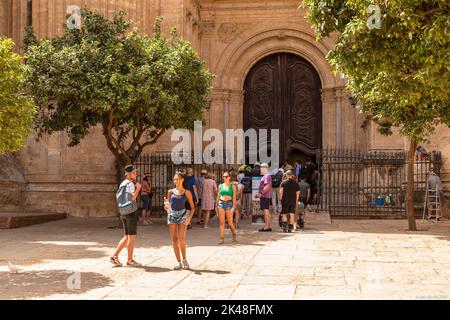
[203, 194]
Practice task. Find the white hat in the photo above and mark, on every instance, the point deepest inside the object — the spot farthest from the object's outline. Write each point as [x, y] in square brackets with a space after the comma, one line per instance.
[264, 165]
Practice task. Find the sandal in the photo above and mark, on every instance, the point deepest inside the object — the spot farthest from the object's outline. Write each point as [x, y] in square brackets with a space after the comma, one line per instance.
[133, 263]
[222, 241]
[185, 264]
[179, 266]
[115, 261]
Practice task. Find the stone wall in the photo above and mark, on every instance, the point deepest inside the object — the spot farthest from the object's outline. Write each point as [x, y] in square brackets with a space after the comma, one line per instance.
[231, 36]
[12, 184]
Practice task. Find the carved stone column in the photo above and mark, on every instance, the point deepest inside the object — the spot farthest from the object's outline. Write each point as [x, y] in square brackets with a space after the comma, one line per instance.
[328, 117]
[340, 129]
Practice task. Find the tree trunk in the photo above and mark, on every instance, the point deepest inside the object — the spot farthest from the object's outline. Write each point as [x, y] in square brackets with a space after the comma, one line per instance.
[410, 186]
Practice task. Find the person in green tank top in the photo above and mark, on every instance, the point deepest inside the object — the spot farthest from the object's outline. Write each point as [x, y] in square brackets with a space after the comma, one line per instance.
[226, 205]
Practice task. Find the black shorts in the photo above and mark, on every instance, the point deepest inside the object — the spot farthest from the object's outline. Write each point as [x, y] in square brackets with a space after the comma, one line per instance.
[265, 203]
[288, 207]
[130, 223]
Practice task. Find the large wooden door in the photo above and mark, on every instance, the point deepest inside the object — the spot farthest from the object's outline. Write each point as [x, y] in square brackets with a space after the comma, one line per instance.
[282, 91]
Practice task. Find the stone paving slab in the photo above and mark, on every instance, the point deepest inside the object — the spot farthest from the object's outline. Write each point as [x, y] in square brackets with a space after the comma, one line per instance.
[349, 259]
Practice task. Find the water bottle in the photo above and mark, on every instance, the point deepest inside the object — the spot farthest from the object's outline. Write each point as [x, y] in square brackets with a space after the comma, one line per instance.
[166, 204]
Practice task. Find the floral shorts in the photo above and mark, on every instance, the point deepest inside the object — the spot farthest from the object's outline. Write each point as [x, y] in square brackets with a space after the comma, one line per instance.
[177, 217]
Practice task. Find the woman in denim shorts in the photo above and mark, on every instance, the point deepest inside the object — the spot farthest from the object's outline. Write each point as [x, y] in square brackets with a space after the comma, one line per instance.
[226, 205]
[178, 218]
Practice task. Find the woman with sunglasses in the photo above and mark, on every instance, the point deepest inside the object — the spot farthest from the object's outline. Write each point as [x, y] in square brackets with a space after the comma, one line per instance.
[226, 205]
[178, 218]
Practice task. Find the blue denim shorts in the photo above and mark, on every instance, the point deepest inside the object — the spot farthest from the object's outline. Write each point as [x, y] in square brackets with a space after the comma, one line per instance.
[177, 217]
[225, 204]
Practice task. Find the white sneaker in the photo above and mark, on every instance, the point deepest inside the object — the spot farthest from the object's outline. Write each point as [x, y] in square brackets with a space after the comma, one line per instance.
[179, 266]
[185, 264]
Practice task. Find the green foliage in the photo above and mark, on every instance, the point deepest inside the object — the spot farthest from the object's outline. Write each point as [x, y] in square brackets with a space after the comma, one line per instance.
[16, 110]
[134, 85]
[399, 72]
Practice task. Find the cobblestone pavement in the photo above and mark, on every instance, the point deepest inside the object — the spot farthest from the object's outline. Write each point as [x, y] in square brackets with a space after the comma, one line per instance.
[350, 259]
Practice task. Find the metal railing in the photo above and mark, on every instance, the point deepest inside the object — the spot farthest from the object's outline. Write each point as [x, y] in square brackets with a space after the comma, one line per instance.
[351, 183]
[373, 183]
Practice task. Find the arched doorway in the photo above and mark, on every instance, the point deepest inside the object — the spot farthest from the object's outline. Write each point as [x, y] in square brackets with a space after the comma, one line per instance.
[282, 91]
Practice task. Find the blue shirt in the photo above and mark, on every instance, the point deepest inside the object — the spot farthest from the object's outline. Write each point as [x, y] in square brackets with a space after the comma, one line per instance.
[191, 182]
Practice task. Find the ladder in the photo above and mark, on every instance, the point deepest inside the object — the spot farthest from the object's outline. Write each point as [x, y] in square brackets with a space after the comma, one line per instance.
[432, 204]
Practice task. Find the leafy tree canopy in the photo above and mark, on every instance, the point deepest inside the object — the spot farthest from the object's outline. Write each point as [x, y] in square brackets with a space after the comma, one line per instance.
[16, 109]
[400, 72]
[135, 86]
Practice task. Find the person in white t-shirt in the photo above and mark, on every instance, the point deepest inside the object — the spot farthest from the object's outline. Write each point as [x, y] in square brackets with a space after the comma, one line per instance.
[129, 221]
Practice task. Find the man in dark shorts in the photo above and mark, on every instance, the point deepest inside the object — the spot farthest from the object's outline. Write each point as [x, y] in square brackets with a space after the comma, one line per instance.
[265, 196]
[305, 194]
[289, 194]
[309, 170]
[129, 221]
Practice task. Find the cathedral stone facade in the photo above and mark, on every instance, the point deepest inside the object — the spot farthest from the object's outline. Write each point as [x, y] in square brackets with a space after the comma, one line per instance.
[270, 72]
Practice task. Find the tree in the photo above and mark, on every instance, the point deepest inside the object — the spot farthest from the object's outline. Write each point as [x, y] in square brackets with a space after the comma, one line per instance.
[399, 69]
[16, 109]
[134, 86]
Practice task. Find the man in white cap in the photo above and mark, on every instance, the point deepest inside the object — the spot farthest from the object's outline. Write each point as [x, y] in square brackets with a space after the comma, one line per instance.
[265, 196]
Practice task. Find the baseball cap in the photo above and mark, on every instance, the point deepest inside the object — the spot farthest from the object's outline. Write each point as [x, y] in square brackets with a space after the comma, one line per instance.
[129, 169]
[264, 165]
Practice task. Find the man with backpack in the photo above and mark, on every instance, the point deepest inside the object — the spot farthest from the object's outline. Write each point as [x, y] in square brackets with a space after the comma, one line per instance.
[126, 201]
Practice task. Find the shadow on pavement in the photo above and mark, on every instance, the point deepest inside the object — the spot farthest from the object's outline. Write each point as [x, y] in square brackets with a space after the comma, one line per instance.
[39, 284]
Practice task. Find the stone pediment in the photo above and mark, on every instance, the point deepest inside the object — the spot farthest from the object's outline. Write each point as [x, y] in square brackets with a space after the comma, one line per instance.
[228, 32]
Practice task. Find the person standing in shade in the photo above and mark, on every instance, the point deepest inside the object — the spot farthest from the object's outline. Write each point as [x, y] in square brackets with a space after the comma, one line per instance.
[298, 168]
[178, 218]
[191, 184]
[239, 197]
[226, 205]
[308, 170]
[305, 194]
[289, 195]
[209, 193]
[199, 185]
[129, 221]
[435, 184]
[265, 197]
[256, 171]
[146, 197]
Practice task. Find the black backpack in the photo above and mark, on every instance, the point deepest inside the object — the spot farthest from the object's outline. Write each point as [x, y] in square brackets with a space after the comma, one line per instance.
[276, 180]
[247, 182]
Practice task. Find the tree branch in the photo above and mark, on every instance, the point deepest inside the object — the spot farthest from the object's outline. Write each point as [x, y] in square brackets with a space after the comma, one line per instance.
[154, 140]
[111, 136]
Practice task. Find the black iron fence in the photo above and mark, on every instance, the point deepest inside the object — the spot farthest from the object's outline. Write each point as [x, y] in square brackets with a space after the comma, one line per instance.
[351, 183]
[161, 169]
[373, 183]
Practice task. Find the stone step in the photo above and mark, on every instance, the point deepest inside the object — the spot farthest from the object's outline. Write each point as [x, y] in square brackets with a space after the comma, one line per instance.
[317, 218]
[10, 220]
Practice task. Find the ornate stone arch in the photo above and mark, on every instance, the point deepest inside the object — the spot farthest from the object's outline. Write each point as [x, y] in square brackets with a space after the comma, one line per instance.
[254, 44]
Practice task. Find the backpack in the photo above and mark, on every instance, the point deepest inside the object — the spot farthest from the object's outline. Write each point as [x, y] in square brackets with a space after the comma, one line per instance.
[247, 182]
[276, 179]
[125, 204]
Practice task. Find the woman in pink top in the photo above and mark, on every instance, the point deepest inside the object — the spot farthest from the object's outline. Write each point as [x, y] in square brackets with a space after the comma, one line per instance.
[209, 192]
[146, 197]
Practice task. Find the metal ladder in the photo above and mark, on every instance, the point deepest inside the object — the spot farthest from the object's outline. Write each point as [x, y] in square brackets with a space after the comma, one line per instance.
[431, 204]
